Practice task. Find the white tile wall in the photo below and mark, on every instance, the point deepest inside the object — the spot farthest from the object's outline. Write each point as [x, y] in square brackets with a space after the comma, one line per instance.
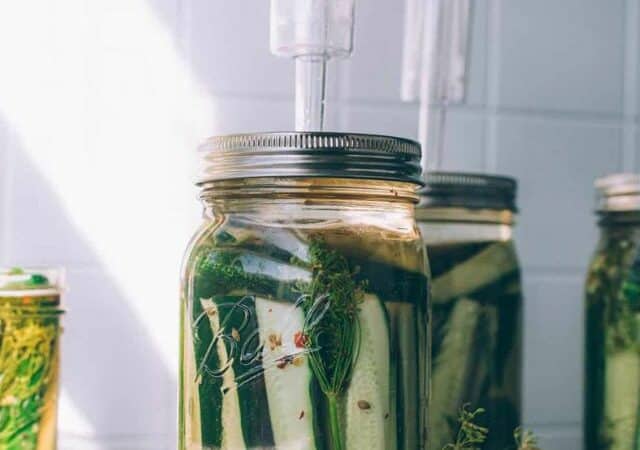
[477, 78]
[556, 163]
[101, 105]
[553, 378]
[228, 44]
[562, 55]
[465, 141]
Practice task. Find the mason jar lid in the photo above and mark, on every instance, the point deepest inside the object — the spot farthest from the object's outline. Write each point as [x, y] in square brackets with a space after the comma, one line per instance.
[310, 154]
[618, 192]
[468, 190]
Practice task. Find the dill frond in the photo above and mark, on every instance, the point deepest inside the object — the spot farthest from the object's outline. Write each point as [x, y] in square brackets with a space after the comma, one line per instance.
[525, 440]
[470, 435]
[332, 300]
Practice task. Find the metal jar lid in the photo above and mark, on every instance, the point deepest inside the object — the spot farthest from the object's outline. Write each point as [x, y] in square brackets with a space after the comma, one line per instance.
[619, 192]
[468, 190]
[310, 154]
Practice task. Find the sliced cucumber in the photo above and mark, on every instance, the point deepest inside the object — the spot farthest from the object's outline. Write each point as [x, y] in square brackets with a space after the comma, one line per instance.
[287, 375]
[404, 348]
[190, 413]
[239, 323]
[209, 398]
[231, 438]
[622, 371]
[367, 409]
[482, 269]
[451, 369]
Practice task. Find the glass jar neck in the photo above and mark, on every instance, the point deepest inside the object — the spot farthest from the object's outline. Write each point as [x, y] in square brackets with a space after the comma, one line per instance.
[283, 196]
[465, 215]
[462, 225]
[616, 219]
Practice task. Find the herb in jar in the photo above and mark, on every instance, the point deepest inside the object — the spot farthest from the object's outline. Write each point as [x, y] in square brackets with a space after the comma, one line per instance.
[28, 364]
[471, 435]
[334, 336]
[525, 440]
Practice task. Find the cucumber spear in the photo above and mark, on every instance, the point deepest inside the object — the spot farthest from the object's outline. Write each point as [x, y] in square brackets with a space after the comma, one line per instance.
[486, 267]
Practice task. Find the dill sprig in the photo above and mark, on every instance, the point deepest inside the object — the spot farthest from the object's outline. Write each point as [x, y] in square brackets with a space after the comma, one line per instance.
[332, 332]
[525, 440]
[469, 435]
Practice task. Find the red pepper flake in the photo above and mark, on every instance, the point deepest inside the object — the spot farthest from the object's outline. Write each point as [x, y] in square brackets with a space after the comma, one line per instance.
[300, 339]
[301, 415]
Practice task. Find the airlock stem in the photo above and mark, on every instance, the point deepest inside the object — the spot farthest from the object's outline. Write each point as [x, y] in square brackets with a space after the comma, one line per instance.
[311, 32]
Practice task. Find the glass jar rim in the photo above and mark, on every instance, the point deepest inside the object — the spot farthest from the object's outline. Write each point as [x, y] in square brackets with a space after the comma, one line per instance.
[19, 313]
[34, 282]
[618, 193]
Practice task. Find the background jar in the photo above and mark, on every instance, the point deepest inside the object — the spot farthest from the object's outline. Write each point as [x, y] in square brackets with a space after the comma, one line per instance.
[467, 223]
[304, 302]
[29, 358]
[612, 347]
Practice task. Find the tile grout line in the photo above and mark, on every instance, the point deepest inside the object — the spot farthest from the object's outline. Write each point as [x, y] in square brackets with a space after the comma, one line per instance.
[493, 83]
[630, 88]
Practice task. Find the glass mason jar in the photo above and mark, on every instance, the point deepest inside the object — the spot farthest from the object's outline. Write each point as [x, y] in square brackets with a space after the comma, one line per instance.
[612, 351]
[29, 358]
[304, 300]
[466, 221]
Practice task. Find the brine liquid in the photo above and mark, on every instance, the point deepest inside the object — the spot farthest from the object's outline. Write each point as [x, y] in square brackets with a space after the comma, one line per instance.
[476, 341]
[612, 377]
[250, 379]
[29, 365]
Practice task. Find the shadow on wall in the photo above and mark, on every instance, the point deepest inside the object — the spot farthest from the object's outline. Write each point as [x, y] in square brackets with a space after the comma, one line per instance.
[114, 377]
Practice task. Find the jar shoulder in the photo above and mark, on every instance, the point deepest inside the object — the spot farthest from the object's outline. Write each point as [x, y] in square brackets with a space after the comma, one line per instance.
[274, 261]
[393, 244]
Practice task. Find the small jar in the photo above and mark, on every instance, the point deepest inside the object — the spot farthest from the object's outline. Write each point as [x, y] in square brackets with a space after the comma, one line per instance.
[304, 296]
[29, 358]
[467, 221]
[612, 351]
